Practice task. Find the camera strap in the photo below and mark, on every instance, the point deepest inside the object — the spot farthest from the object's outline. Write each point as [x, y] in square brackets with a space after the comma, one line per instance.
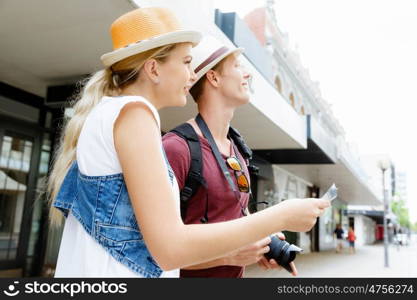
[207, 134]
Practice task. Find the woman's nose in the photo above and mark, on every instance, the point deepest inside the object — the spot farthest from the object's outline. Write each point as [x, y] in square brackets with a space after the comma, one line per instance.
[193, 75]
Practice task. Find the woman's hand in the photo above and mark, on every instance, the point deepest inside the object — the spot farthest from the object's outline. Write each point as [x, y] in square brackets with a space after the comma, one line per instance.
[301, 214]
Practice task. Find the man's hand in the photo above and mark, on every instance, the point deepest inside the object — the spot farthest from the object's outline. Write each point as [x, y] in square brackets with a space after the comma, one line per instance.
[272, 264]
[249, 254]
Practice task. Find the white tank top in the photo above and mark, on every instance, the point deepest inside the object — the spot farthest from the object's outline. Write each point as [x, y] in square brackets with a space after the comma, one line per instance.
[96, 156]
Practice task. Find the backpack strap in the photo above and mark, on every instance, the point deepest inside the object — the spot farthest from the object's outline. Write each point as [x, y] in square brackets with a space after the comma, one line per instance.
[243, 149]
[195, 173]
[240, 143]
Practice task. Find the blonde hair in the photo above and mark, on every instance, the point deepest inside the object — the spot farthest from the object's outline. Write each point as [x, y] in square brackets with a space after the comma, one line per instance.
[106, 82]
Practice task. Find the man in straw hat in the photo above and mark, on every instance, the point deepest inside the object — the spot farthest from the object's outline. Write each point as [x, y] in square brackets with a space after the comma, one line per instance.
[213, 195]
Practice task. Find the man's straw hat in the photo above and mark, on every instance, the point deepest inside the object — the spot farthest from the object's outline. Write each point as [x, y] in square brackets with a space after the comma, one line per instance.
[208, 54]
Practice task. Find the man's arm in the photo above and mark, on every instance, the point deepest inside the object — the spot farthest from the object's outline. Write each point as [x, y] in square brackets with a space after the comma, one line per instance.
[242, 257]
[272, 263]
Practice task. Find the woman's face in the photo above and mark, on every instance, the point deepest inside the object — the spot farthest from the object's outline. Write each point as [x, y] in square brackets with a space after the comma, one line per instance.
[176, 76]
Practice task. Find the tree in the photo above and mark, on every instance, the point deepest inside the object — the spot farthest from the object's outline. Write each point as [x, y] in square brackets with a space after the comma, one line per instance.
[414, 227]
[401, 211]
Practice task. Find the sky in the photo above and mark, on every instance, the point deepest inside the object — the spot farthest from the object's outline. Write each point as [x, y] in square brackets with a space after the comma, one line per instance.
[364, 55]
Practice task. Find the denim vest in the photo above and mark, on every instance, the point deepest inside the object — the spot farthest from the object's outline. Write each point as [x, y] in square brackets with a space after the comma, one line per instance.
[102, 205]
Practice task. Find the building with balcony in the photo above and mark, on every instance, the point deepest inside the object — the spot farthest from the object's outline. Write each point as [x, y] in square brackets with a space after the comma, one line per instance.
[327, 158]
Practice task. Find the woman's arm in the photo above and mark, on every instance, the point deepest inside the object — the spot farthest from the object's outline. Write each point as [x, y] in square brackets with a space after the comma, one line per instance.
[171, 243]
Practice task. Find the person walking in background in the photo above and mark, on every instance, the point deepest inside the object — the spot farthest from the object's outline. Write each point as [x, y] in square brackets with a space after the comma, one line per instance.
[338, 232]
[351, 238]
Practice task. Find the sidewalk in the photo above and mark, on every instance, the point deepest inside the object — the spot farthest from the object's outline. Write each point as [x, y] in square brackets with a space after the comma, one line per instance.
[367, 262]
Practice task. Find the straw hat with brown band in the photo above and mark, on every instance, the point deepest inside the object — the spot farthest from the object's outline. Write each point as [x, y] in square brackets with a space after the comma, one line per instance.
[144, 29]
[208, 53]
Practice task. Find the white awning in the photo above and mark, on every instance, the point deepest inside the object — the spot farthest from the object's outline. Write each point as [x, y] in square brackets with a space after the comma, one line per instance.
[49, 42]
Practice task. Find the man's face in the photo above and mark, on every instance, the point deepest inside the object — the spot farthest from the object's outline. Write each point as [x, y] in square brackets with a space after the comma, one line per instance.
[233, 81]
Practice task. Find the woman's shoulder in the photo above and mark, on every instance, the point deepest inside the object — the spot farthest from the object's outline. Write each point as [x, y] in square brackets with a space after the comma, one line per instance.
[140, 104]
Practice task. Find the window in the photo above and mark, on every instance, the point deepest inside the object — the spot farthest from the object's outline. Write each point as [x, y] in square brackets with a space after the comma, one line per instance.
[292, 100]
[278, 84]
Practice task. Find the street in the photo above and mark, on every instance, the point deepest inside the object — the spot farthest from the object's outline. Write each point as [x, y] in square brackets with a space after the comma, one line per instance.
[367, 262]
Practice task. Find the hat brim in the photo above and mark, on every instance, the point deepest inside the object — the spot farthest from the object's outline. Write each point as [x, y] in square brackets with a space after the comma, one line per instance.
[180, 36]
[212, 64]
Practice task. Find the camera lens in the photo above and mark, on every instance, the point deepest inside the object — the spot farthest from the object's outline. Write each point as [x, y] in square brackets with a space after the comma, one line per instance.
[282, 252]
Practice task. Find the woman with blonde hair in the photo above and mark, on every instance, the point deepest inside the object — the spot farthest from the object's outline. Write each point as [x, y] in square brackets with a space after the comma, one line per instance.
[111, 179]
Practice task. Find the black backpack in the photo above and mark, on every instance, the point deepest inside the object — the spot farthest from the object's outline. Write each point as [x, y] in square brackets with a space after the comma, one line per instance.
[195, 177]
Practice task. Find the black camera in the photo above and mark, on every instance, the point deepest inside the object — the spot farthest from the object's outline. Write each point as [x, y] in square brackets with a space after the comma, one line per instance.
[282, 252]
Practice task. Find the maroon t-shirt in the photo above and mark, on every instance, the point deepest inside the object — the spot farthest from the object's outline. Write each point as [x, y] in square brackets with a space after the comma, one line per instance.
[220, 200]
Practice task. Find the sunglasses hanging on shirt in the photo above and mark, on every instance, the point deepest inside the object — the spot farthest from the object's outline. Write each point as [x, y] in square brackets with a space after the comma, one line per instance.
[241, 179]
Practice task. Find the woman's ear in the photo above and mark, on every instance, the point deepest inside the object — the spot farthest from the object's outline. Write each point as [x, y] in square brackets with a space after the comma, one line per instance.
[213, 78]
[151, 68]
